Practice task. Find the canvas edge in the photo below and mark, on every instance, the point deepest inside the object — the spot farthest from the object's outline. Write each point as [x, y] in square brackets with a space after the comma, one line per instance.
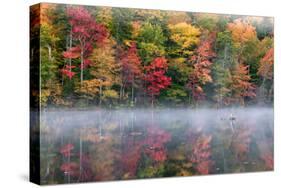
[34, 94]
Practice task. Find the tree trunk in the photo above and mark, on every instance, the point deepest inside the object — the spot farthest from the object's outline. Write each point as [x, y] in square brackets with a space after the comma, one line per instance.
[152, 101]
[271, 93]
[49, 53]
[262, 92]
[82, 66]
[132, 94]
[120, 93]
[100, 93]
[224, 57]
[123, 92]
[68, 175]
[80, 156]
[70, 46]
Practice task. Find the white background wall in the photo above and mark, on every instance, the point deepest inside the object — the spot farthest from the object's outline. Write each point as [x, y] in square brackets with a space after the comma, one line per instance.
[14, 71]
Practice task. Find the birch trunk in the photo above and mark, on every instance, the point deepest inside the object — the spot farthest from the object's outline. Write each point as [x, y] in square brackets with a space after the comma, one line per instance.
[82, 67]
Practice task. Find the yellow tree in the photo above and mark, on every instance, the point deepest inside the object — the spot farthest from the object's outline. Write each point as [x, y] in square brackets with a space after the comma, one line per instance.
[104, 71]
[104, 16]
[175, 17]
[149, 15]
[241, 32]
[185, 36]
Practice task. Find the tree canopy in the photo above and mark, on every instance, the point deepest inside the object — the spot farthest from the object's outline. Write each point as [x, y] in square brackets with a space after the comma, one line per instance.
[114, 57]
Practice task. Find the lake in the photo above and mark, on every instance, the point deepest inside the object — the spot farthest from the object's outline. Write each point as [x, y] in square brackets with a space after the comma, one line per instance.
[102, 145]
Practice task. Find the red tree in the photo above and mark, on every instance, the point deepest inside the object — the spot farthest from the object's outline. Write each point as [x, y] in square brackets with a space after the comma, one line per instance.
[241, 86]
[86, 31]
[155, 77]
[201, 68]
[266, 65]
[131, 67]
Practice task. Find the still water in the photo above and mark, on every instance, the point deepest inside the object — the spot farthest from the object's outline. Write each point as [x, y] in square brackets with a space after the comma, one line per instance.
[101, 145]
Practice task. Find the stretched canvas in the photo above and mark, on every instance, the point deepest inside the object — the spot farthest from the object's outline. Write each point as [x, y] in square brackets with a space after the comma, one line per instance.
[122, 93]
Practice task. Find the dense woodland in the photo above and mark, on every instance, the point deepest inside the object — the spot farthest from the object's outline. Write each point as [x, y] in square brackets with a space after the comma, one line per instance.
[118, 57]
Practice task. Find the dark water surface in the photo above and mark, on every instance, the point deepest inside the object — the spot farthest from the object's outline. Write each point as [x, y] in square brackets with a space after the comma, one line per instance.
[100, 145]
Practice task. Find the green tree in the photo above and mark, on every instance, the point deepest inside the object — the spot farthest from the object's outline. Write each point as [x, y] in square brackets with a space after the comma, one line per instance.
[206, 21]
[49, 62]
[179, 70]
[151, 42]
[221, 70]
[121, 24]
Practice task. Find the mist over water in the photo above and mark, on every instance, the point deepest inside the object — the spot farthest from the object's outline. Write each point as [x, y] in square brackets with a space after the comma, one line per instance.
[126, 119]
[173, 142]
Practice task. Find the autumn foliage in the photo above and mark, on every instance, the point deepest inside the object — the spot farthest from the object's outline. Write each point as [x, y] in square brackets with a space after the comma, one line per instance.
[155, 77]
[131, 66]
[201, 74]
[109, 56]
[242, 31]
[86, 31]
[266, 65]
[241, 85]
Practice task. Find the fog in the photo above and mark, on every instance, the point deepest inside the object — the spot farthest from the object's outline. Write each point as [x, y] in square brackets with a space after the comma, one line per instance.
[203, 117]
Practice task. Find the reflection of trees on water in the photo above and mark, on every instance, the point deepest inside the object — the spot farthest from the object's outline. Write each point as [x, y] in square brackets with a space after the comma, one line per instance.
[201, 154]
[111, 145]
[240, 143]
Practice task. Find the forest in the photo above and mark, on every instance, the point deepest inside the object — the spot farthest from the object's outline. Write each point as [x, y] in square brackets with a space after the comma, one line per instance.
[119, 93]
[119, 57]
